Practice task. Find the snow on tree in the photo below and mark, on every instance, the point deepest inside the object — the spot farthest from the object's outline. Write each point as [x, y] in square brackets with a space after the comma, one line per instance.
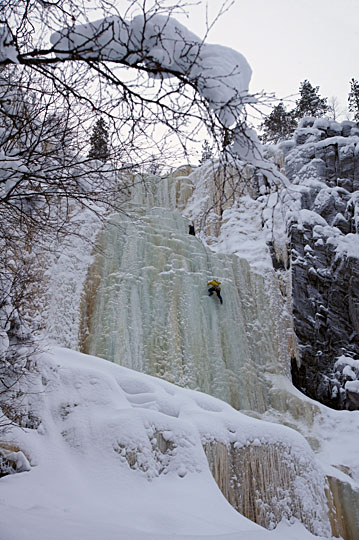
[164, 48]
[207, 152]
[310, 103]
[147, 73]
[18, 346]
[99, 141]
[278, 125]
[43, 178]
[353, 99]
[193, 83]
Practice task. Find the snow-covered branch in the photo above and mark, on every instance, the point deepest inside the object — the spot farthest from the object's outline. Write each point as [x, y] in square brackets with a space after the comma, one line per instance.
[165, 48]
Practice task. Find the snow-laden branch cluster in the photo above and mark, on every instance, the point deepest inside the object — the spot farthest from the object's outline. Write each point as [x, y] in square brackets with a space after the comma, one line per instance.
[157, 44]
[165, 48]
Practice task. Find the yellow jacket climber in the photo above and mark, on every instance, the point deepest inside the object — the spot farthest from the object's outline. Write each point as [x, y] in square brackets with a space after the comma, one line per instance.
[214, 285]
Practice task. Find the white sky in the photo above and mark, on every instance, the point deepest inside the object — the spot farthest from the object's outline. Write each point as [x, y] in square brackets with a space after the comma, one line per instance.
[287, 41]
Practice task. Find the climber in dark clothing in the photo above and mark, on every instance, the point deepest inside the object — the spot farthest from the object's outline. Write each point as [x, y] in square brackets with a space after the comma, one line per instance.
[215, 288]
[191, 230]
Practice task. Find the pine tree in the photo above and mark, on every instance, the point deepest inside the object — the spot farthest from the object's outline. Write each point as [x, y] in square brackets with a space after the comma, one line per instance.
[206, 152]
[310, 103]
[353, 99]
[99, 141]
[155, 166]
[278, 125]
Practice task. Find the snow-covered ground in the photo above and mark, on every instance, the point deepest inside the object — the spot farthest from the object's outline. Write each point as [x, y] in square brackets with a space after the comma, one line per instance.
[84, 482]
[95, 468]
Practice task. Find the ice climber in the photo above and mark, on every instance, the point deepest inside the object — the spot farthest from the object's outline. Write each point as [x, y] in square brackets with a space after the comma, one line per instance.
[215, 288]
[191, 229]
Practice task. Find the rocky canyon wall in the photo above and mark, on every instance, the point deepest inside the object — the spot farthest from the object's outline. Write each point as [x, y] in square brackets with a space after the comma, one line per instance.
[322, 161]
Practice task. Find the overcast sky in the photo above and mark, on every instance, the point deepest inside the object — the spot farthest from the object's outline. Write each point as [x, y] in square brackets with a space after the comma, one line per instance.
[287, 41]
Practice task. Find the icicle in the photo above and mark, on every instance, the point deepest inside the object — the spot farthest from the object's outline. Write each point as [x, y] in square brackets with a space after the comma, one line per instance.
[343, 505]
[268, 483]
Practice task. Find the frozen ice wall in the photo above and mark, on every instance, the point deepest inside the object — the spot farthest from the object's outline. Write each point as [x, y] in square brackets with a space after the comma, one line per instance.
[147, 306]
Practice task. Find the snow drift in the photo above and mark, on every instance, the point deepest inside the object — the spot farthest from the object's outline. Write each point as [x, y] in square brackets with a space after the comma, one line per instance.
[119, 454]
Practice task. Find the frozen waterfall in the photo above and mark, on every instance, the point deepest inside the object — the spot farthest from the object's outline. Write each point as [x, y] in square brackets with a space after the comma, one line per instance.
[146, 304]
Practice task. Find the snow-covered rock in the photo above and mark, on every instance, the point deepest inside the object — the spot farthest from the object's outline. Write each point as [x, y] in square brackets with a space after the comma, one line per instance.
[326, 282]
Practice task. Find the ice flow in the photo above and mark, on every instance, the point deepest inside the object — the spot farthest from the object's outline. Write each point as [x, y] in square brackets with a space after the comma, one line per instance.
[147, 306]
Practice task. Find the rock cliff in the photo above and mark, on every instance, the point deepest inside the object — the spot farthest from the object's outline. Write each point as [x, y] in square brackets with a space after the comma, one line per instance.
[322, 162]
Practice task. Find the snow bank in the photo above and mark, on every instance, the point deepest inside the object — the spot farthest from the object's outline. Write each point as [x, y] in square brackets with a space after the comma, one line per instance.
[118, 454]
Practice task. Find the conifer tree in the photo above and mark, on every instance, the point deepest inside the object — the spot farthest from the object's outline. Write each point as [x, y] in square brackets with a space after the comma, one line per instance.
[206, 152]
[310, 103]
[278, 125]
[353, 99]
[99, 141]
